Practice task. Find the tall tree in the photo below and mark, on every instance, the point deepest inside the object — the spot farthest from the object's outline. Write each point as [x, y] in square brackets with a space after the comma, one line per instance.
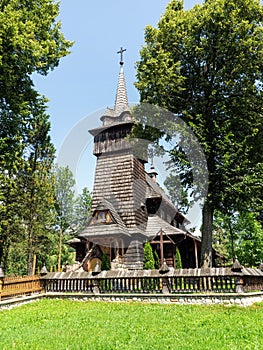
[38, 181]
[31, 42]
[205, 65]
[10, 196]
[65, 202]
[82, 210]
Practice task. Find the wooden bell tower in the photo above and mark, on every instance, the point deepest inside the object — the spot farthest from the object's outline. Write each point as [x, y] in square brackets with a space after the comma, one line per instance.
[120, 176]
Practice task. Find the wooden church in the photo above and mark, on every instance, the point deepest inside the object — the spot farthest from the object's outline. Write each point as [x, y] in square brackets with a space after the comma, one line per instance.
[129, 208]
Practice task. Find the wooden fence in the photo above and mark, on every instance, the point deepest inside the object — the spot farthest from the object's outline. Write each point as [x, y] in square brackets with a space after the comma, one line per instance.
[14, 286]
[216, 280]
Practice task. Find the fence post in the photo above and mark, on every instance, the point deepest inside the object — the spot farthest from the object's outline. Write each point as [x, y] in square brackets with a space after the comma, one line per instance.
[2, 275]
[239, 284]
[43, 281]
[163, 270]
[96, 283]
[237, 268]
[96, 286]
[1, 286]
[165, 289]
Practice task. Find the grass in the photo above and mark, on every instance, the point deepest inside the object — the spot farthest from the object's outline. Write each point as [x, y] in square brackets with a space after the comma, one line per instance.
[74, 325]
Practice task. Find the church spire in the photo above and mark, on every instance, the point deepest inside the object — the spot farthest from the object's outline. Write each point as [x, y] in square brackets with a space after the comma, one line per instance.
[121, 100]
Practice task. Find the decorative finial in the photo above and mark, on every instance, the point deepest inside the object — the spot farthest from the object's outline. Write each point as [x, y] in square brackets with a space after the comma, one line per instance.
[121, 53]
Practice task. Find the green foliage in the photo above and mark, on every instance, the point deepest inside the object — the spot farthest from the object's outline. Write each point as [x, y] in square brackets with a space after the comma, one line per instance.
[239, 235]
[31, 42]
[62, 324]
[177, 194]
[72, 213]
[156, 260]
[64, 191]
[249, 240]
[148, 260]
[82, 210]
[222, 240]
[205, 65]
[64, 194]
[105, 262]
[178, 259]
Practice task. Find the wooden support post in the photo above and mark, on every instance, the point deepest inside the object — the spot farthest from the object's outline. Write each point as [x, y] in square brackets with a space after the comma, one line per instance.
[110, 243]
[196, 254]
[161, 248]
[122, 248]
[87, 246]
[116, 248]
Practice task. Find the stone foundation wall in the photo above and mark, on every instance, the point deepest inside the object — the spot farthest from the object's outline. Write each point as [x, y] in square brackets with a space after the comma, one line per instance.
[245, 299]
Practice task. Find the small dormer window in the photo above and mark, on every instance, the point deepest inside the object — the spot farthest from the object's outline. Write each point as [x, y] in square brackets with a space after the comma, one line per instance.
[101, 217]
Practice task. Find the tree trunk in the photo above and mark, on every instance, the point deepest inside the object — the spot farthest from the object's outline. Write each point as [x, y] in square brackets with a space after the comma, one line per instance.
[207, 228]
[4, 252]
[34, 263]
[232, 240]
[4, 248]
[60, 248]
[30, 248]
[30, 257]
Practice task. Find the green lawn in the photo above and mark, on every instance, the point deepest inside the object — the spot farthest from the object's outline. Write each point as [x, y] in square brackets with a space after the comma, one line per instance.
[65, 324]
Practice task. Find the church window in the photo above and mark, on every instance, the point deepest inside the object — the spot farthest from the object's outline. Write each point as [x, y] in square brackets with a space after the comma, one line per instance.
[101, 217]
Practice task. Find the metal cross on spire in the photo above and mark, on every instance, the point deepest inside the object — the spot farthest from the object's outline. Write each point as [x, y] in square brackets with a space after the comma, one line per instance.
[121, 53]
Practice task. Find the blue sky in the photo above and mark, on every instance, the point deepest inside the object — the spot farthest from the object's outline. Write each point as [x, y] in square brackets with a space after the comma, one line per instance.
[86, 80]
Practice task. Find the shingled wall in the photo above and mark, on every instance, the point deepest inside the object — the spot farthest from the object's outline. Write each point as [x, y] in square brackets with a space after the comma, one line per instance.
[120, 178]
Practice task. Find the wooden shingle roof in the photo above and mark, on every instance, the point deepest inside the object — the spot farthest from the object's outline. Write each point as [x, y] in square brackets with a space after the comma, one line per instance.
[116, 228]
[155, 224]
[153, 190]
[121, 101]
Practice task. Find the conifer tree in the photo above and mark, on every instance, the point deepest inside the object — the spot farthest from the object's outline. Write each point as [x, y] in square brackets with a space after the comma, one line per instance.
[148, 260]
[178, 259]
[38, 181]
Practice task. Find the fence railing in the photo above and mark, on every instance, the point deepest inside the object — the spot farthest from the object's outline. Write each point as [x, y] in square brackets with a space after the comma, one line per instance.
[72, 285]
[14, 286]
[167, 284]
[216, 280]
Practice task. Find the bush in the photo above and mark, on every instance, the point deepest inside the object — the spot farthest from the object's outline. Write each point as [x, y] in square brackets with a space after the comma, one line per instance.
[148, 261]
[105, 262]
[178, 259]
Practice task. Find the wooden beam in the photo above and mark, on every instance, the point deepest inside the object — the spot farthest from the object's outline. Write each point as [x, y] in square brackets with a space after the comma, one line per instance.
[161, 247]
[196, 254]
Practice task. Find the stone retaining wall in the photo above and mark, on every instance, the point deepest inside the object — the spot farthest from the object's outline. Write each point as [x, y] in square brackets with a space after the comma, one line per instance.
[240, 299]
